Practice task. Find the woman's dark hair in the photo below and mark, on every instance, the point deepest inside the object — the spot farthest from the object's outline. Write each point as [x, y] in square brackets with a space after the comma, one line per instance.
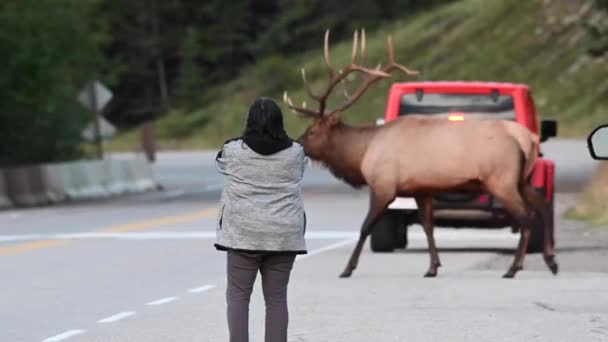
[266, 119]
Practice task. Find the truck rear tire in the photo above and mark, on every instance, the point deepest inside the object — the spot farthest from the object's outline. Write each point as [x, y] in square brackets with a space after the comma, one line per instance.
[401, 241]
[384, 234]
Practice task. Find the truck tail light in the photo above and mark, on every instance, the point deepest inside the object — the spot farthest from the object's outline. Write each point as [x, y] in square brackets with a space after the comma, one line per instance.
[456, 117]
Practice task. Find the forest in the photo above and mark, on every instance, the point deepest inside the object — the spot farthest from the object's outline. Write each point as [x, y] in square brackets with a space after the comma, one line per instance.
[159, 56]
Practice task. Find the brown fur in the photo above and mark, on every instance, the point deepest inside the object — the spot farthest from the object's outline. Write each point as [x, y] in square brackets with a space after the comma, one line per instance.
[419, 156]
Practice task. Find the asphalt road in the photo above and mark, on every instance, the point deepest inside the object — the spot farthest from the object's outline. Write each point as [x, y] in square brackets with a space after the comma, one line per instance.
[194, 172]
[143, 268]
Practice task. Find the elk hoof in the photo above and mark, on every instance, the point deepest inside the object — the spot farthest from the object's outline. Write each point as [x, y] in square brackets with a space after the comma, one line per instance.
[550, 261]
[430, 274]
[554, 268]
[346, 274]
[511, 272]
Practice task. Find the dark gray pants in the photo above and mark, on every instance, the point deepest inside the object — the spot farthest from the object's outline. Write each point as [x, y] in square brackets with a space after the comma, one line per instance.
[242, 269]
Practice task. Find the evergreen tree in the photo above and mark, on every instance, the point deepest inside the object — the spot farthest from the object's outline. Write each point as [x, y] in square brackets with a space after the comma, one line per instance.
[598, 31]
[48, 50]
[227, 36]
[190, 76]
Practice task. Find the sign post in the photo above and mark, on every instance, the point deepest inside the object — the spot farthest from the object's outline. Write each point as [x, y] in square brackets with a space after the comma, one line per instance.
[93, 102]
[148, 141]
[95, 96]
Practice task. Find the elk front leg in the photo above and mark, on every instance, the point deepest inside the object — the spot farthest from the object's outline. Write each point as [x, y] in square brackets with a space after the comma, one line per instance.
[518, 262]
[376, 207]
[425, 212]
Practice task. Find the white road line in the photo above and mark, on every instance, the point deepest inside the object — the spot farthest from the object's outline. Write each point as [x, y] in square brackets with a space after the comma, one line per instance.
[201, 289]
[326, 248]
[163, 301]
[17, 238]
[117, 317]
[65, 335]
[414, 234]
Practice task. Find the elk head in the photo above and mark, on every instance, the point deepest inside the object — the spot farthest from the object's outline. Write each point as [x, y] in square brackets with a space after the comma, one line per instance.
[316, 138]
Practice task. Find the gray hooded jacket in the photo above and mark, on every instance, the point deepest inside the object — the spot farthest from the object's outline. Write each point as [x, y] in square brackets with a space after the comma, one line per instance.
[261, 206]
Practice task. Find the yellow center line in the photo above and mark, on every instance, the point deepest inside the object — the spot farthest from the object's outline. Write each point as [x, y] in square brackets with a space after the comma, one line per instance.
[30, 246]
[123, 228]
[153, 223]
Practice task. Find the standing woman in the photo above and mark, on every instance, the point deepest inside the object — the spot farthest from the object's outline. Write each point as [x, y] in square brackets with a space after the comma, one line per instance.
[261, 222]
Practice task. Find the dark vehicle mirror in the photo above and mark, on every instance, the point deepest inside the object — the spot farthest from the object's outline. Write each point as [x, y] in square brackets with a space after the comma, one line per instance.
[597, 142]
[548, 129]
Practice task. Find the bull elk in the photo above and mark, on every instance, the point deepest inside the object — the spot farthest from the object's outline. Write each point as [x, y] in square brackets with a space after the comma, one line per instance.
[417, 156]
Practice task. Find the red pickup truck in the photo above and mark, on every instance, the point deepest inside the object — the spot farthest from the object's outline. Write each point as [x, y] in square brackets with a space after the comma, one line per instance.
[458, 101]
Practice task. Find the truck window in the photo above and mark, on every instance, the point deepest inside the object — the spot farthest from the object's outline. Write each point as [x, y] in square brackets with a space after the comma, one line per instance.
[474, 106]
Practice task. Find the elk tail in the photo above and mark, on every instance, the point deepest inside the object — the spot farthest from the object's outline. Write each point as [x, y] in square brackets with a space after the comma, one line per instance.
[525, 175]
[531, 157]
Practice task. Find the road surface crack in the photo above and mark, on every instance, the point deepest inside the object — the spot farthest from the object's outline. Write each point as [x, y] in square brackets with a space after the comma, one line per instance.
[599, 330]
[545, 306]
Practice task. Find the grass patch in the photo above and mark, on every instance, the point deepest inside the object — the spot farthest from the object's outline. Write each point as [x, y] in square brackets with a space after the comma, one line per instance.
[592, 205]
[537, 42]
[124, 142]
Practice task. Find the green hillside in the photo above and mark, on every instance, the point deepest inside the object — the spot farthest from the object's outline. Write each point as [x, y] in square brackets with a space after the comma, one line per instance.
[537, 42]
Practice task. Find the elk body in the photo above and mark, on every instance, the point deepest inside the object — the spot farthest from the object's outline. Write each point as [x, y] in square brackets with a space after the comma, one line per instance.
[417, 156]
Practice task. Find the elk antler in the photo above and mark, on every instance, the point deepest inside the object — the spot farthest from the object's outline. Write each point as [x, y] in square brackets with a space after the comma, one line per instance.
[372, 75]
[392, 65]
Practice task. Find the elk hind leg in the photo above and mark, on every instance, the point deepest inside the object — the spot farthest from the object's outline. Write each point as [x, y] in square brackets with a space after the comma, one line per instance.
[514, 203]
[425, 212]
[376, 207]
[541, 207]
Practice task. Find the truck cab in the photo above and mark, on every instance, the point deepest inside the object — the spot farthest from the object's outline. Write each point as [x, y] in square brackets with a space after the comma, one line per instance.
[458, 101]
